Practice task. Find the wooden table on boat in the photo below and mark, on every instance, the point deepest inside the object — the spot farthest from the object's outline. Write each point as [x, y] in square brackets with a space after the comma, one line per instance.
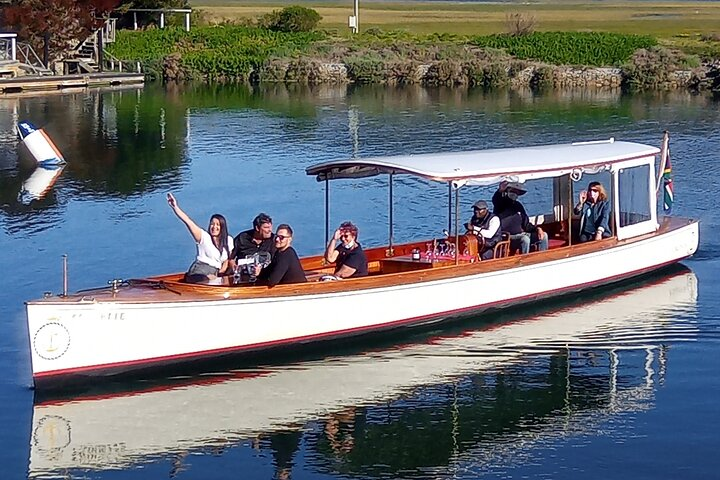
[405, 263]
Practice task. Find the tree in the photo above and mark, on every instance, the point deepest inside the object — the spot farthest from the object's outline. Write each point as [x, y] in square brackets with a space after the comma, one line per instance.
[65, 21]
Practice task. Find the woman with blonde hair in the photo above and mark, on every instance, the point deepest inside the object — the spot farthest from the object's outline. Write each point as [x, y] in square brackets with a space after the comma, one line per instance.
[594, 211]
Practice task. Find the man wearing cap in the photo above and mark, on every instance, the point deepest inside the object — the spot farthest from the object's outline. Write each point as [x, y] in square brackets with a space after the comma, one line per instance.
[486, 225]
[514, 219]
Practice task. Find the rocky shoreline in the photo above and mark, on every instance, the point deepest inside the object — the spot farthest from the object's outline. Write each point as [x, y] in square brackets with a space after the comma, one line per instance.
[703, 78]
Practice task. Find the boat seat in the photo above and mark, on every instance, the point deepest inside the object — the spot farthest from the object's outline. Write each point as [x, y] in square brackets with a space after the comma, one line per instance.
[502, 248]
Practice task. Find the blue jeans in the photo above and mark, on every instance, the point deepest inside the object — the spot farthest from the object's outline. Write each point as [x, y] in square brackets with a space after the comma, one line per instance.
[525, 239]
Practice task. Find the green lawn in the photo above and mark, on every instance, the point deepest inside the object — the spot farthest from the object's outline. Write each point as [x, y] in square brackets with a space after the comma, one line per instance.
[663, 20]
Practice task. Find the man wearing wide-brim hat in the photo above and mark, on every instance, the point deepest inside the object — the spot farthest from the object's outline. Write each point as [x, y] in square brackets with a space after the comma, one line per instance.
[514, 219]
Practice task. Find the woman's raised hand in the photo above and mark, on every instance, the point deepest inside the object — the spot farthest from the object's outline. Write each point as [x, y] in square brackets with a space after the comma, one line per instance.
[171, 200]
[583, 196]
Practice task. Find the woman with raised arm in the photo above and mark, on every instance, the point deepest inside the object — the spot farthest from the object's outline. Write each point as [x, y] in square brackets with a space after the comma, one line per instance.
[594, 210]
[213, 246]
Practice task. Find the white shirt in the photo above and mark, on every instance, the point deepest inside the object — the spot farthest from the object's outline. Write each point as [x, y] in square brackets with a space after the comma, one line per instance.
[208, 253]
[493, 226]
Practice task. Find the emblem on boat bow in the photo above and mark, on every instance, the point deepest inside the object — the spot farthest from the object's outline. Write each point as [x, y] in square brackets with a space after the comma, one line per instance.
[51, 341]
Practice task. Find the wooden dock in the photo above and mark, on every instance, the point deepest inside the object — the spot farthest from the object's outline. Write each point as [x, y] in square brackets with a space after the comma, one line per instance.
[59, 82]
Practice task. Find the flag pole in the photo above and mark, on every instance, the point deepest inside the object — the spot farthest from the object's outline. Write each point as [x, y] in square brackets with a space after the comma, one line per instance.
[663, 160]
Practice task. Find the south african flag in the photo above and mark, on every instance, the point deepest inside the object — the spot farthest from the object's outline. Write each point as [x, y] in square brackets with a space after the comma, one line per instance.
[667, 183]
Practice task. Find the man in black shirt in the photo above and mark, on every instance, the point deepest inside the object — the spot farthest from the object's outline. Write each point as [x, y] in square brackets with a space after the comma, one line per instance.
[258, 239]
[348, 256]
[514, 219]
[285, 266]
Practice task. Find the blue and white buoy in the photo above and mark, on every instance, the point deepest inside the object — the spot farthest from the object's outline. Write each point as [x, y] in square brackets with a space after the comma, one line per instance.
[39, 145]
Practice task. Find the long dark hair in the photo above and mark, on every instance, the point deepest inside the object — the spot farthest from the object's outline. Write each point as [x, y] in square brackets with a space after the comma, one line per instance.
[222, 243]
[602, 194]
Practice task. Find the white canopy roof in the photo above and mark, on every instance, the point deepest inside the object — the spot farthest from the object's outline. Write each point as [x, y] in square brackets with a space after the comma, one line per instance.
[491, 166]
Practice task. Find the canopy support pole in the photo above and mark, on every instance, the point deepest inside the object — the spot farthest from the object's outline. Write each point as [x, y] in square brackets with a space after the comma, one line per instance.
[390, 252]
[327, 212]
[457, 225]
[570, 209]
[450, 197]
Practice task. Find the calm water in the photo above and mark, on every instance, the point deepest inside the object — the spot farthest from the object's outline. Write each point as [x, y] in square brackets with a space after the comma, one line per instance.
[619, 383]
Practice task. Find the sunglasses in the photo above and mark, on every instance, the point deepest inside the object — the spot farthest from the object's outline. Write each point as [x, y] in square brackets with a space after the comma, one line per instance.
[346, 234]
[282, 237]
[595, 190]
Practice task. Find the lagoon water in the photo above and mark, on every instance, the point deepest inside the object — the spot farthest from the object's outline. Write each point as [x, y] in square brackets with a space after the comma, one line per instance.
[616, 383]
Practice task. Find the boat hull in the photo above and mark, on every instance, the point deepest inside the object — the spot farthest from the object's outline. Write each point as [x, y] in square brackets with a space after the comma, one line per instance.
[90, 337]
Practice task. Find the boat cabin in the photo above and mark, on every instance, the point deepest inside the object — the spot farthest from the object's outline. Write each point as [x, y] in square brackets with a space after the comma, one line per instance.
[626, 169]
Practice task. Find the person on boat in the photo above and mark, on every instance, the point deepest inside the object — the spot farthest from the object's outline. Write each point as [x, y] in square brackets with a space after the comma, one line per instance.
[486, 225]
[594, 210]
[213, 246]
[514, 219]
[260, 238]
[348, 255]
[285, 266]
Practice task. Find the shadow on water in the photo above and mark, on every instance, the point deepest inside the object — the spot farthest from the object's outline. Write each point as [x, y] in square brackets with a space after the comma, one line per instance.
[485, 389]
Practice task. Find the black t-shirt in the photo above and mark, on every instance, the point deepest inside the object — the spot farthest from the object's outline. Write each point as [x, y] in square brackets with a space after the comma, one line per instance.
[285, 268]
[354, 258]
[245, 245]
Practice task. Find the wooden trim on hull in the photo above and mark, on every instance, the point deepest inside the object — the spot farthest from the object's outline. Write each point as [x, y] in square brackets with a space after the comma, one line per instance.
[179, 292]
[60, 378]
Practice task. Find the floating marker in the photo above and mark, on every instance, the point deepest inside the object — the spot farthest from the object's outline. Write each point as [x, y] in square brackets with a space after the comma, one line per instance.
[39, 144]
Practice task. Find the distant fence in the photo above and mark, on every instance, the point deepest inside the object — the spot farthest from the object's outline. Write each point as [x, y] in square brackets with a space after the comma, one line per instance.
[162, 12]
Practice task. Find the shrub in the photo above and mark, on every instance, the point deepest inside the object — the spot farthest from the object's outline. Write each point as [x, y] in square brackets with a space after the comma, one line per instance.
[650, 68]
[446, 72]
[404, 72]
[520, 24]
[542, 78]
[291, 19]
[366, 69]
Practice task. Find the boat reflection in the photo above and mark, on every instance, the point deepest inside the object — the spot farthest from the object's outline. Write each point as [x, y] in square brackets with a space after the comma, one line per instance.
[39, 183]
[472, 395]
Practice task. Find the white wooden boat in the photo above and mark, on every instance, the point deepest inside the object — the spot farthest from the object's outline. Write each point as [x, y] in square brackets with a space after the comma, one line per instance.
[161, 320]
[109, 431]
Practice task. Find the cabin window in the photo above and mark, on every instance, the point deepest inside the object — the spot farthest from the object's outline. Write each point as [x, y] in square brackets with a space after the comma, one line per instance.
[633, 183]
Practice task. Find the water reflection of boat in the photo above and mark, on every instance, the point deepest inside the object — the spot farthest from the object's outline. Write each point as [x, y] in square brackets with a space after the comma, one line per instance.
[39, 183]
[118, 430]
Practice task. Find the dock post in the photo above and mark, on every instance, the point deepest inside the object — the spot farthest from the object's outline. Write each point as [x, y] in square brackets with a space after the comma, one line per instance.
[100, 53]
[134, 20]
[187, 21]
[162, 19]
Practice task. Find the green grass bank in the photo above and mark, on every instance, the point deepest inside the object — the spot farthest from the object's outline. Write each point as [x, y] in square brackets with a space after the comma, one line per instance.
[243, 48]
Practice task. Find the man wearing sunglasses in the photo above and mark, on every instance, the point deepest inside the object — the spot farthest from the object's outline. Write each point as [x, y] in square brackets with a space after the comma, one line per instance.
[348, 255]
[285, 266]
